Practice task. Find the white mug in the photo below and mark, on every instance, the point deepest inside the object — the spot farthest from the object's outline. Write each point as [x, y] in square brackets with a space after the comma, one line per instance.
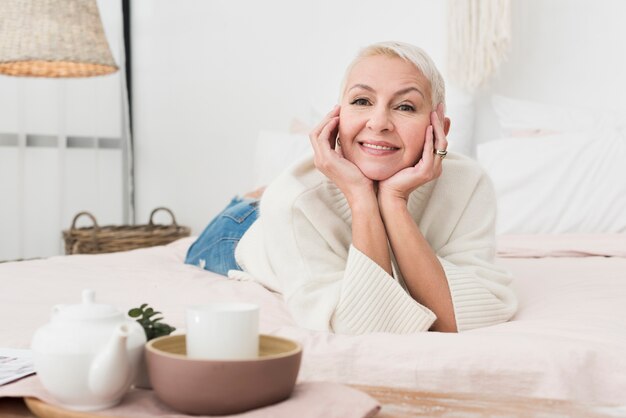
[223, 331]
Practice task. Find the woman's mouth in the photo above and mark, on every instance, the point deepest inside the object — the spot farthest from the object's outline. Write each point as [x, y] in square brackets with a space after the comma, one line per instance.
[377, 148]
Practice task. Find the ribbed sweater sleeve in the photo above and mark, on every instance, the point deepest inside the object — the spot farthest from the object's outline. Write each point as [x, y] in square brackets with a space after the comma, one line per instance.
[372, 301]
[478, 302]
[331, 287]
[479, 288]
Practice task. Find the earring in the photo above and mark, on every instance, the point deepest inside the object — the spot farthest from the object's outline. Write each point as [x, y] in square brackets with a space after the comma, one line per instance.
[338, 141]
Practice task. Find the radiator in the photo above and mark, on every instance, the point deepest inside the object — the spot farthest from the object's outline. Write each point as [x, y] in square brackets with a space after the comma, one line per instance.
[63, 149]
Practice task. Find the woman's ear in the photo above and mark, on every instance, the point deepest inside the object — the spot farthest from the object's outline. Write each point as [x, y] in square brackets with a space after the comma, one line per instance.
[446, 125]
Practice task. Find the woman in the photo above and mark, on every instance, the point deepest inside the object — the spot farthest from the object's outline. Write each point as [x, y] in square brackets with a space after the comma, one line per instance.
[376, 233]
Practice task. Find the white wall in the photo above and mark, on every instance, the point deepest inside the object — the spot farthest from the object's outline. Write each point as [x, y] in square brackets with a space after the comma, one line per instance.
[208, 75]
[564, 52]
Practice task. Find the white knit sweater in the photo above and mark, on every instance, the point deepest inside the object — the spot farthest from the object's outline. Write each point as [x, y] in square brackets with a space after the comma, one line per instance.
[301, 247]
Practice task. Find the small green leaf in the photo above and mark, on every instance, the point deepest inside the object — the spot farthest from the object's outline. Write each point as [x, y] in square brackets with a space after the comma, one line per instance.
[134, 313]
[147, 318]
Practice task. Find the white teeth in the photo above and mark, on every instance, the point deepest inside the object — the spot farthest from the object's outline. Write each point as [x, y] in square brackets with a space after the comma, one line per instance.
[365, 144]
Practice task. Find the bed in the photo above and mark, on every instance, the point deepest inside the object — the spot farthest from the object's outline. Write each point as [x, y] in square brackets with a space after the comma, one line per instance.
[561, 232]
[567, 341]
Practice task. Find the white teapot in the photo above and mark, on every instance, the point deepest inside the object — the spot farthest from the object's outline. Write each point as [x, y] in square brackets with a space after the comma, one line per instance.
[88, 355]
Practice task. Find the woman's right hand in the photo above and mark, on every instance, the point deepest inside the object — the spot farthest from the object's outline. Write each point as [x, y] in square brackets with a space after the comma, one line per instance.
[330, 160]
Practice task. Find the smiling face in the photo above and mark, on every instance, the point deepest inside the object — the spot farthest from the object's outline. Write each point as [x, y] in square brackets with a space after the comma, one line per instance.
[385, 111]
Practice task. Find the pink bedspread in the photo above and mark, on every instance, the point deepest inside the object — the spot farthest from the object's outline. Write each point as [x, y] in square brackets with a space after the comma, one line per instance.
[567, 341]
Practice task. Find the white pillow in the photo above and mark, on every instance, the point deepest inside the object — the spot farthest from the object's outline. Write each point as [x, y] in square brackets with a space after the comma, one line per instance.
[275, 151]
[517, 117]
[560, 183]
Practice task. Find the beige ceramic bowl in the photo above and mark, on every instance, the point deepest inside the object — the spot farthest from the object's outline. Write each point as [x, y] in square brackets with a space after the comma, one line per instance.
[220, 387]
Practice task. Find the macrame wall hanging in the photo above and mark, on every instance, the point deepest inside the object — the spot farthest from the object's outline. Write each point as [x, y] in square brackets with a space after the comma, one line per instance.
[479, 36]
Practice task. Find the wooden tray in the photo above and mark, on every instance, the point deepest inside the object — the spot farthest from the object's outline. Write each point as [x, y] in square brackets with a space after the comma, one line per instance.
[42, 409]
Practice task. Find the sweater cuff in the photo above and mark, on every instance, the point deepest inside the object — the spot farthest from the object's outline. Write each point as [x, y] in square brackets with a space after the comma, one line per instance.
[372, 301]
[474, 305]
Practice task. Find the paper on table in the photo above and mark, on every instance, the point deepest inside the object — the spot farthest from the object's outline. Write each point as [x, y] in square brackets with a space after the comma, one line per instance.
[15, 364]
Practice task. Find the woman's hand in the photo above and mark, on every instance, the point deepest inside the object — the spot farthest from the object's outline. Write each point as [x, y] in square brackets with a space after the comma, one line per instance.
[423, 274]
[428, 168]
[368, 230]
[330, 160]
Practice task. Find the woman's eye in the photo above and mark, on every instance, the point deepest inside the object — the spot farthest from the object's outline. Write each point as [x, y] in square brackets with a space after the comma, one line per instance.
[360, 102]
[406, 108]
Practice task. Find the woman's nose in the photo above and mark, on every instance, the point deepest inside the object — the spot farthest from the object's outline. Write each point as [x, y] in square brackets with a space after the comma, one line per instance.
[379, 120]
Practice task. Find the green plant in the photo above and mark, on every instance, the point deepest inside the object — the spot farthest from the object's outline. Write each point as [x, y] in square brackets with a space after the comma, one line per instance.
[152, 325]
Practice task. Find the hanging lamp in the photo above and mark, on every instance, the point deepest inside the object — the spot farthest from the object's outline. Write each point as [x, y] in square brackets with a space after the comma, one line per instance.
[53, 38]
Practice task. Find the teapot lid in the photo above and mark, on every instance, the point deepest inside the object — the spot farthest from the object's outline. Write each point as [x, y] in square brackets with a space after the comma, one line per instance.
[87, 310]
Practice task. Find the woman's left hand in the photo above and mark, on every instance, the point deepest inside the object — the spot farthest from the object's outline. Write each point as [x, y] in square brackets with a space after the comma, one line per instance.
[428, 168]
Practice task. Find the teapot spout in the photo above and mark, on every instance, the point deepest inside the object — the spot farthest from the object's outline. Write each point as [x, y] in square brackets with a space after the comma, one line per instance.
[110, 371]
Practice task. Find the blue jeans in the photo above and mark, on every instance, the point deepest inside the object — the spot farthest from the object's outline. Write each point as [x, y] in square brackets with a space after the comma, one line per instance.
[214, 250]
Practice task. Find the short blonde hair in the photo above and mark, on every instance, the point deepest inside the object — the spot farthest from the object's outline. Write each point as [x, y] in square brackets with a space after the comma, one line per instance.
[410, 53]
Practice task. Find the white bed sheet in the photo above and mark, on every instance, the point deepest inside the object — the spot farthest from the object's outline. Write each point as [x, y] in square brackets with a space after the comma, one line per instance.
[568, 340]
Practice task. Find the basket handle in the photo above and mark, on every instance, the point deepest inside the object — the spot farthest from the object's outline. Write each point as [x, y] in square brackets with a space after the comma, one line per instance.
[165, 209]
[78, 215]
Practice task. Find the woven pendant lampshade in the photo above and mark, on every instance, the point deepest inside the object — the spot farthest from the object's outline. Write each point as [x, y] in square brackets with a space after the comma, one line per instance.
[53, 38]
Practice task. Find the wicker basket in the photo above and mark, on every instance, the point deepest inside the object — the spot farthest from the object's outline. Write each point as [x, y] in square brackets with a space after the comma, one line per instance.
[107, 239]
